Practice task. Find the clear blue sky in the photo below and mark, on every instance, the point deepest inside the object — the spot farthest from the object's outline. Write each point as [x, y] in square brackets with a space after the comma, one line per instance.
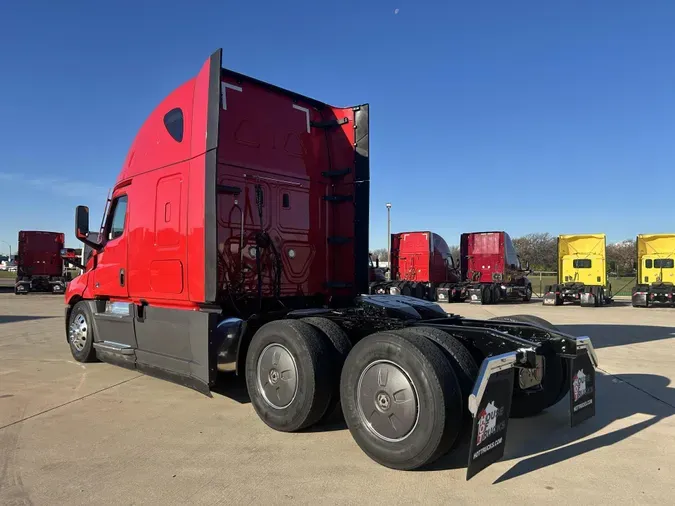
[526, 116]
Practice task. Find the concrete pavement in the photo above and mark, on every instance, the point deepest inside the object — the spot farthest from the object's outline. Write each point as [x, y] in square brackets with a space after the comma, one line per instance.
[75, 433]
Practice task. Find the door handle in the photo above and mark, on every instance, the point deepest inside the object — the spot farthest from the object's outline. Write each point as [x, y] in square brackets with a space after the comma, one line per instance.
[121, 277]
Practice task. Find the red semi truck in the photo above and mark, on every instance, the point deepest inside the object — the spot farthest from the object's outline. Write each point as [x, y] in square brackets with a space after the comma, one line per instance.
[40, 267]
[489, 268]
[492, 267]
[236, 242]
[422, 266]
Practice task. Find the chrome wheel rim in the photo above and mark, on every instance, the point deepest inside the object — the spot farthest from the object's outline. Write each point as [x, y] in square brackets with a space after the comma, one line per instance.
[77, 332]
[277, 375]
[387, 401]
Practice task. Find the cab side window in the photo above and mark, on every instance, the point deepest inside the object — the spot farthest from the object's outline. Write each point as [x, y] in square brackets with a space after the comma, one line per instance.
[511, 255]
[119, 212]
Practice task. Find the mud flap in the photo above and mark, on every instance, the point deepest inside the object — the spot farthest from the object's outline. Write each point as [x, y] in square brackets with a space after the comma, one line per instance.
[490, 405]
[639, 299]
[22, 287]
[550, 299]
[582, 389]
[444, 295]
[588, 299]
[475, 295]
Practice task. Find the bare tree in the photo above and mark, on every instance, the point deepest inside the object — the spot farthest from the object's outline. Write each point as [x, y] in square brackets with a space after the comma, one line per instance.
[620, 257]
[454, 253]
[381, 254]
[540, 249]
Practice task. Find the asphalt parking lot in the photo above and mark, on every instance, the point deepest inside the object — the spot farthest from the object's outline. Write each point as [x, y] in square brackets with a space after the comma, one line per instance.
[98, 434]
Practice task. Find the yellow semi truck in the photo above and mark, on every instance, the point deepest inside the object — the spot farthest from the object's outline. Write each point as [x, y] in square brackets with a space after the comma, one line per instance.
[655, 263]
[582, 272]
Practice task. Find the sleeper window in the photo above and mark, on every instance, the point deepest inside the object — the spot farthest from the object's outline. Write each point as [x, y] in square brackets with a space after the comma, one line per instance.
[582, 263]
[173, 122]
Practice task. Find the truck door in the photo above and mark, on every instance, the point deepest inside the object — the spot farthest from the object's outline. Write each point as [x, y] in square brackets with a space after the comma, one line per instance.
[110, 275]
[114, 319]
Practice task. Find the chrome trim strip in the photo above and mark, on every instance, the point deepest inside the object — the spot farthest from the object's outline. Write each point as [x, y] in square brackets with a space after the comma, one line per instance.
[489, 366]
[584, 343]
[123, 349]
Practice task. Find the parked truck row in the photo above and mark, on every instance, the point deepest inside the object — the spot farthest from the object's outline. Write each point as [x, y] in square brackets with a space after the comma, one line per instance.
[488, 270]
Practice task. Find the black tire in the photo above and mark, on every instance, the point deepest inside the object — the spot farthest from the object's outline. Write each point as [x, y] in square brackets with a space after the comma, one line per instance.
[419, 291]
[303, 347]
[554, 384]
[460, 358]
[81, 333]
[496, 294]
[528, 294]
[485, 295]
[438, 418]
[341, 345]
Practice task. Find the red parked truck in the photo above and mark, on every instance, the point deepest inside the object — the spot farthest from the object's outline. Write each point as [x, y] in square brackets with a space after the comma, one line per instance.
[422, 267]
[40, 267]
[492, 267]
[236, 242]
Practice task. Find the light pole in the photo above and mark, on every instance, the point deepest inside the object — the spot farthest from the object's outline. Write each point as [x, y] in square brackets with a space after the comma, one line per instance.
[10, 249]
[389, 235]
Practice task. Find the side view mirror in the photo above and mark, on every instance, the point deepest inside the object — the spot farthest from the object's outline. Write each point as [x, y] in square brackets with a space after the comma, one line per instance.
[82, 227]
[81, 222]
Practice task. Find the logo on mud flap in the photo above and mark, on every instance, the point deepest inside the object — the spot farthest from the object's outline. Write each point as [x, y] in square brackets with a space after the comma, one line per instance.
[487, 422]
[579, 385]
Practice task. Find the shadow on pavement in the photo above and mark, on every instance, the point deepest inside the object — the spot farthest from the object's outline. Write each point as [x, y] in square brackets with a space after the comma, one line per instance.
[22, 318]
[605, 336]
[233, 387]
[550, 431]
[614, 402]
